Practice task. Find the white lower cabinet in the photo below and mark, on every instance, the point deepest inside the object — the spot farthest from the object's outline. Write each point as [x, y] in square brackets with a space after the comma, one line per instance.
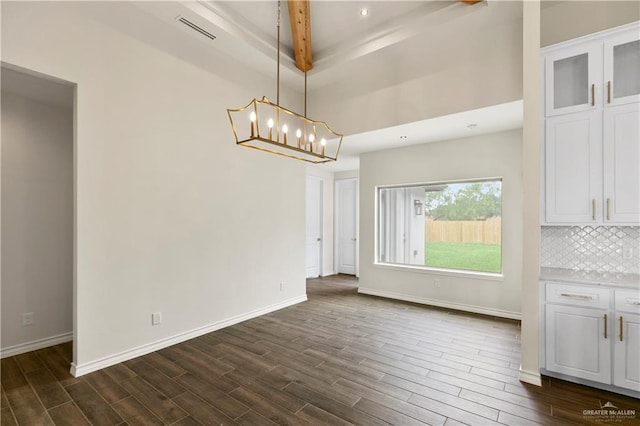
[626, 368]
[577, 344]
[592, 332]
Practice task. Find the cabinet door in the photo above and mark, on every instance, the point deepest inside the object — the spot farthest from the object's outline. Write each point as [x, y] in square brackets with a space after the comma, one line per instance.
[573, 168]
[577, 342]
[621, 150]
[573, 79]
[626, 369]
[622, 69]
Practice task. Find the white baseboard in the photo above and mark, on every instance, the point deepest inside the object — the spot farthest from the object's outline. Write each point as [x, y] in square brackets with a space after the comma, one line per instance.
[441, 303]
[531, 377]
[35, 345]
[89, 367]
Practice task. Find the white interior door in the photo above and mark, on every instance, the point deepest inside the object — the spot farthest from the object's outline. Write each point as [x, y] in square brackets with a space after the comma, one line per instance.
[314, 226]
[347, 226]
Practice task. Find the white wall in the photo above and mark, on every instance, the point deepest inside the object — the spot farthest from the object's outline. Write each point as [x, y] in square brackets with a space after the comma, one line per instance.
[561, 21]
[171, 215]
[37, 221]
[493, 155]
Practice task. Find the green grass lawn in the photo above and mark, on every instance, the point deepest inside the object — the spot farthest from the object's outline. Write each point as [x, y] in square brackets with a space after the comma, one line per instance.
[467, 256]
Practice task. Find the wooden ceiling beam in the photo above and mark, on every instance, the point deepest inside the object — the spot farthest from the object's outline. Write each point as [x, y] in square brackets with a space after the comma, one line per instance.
[300, 19]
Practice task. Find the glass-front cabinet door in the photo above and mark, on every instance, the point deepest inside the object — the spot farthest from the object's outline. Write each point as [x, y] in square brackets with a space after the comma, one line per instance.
[622, 69]
[573, 79]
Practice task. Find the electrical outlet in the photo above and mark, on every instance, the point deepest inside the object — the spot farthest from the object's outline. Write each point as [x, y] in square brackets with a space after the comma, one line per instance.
[27, 319]
[156, 318]
[282, 286]
[627, 252]
[436, 283]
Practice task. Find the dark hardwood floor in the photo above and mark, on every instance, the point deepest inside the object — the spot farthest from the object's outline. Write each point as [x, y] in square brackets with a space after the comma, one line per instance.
[340, 358]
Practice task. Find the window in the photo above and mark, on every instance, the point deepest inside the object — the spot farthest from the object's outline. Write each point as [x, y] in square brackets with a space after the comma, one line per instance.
[451, 225]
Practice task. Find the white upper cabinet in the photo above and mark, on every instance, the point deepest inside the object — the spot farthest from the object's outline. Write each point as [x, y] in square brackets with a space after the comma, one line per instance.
[573, 161]
[573, 79]
[621, 161]
[622, 69]
[591, 150]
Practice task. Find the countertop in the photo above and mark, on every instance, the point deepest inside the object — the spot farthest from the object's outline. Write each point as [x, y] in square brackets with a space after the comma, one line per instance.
[590, 277]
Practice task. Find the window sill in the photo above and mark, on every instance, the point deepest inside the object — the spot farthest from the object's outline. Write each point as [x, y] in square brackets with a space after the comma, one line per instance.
[489, 276]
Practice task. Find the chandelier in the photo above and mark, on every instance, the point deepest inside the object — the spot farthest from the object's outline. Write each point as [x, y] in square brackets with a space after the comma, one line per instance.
[269, 127]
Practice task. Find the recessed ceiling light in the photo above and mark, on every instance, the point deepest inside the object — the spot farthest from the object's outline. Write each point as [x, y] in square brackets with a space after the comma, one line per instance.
[472, 125]
[364, 12]
[403, 137]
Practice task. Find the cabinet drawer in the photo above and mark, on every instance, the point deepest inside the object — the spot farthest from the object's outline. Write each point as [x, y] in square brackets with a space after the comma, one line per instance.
[594, 297]
[627, 301]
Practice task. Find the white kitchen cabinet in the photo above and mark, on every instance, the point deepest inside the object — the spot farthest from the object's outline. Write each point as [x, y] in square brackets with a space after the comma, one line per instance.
[573, 79]
[627, 340]
[622, 68]
[573, 168]
[577, 338]
[591, 333]
[591, 153]
[621, 162]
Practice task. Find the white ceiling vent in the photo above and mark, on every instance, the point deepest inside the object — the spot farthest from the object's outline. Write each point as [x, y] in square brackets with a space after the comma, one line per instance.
[195, 27]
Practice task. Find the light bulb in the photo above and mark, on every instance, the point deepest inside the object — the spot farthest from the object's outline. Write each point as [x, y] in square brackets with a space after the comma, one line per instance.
[312, 138]
[252, 116]
[270, 123]
[323, 141]
[298, 133]
[285, 129]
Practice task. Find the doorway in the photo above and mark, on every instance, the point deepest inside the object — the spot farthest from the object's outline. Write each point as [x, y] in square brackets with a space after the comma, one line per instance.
[347, 226]
[313, 227]
[37, 189]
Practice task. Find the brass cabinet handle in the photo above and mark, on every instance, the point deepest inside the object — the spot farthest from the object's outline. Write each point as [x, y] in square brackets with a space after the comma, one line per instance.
[608, 92]
[593, 95]
[608, 208]
[576, 296]
[621, 328]
[605, 326]
[593, 209]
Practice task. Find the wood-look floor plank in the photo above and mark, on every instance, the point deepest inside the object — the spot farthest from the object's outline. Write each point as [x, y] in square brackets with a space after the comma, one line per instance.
[11, 375]
[27, 408]
[6, 417]
[155, 377]
[332, 406]
[119, 372]
[68, 415]
[134, 413]
[213, 396]
[57, 365]
[168, 368]
[452, 411]
[155, 401]
[29, 362]
[201, 411]
[315, 415]
[106, 386]
[92, 405]
[383, 399]
[251, 418]
[48, 389]
[385, 413]
[264, 389]
[264, 407]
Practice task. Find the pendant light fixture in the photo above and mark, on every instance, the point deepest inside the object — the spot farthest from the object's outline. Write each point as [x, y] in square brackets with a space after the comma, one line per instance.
[269, 127]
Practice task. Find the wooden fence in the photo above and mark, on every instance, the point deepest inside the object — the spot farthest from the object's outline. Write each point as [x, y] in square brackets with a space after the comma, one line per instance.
[475, 231]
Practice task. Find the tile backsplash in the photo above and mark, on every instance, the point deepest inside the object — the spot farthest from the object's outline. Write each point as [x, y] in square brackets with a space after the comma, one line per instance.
[614, 249]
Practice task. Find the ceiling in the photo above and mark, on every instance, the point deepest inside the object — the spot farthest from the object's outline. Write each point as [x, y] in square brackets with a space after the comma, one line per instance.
[407, 33]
